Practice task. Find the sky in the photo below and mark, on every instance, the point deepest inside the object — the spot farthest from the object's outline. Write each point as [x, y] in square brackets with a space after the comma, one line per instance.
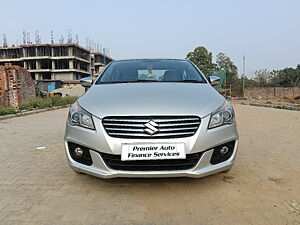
[267, 32]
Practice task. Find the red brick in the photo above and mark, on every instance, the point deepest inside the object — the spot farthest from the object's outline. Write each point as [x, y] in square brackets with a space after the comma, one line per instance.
[16, 85]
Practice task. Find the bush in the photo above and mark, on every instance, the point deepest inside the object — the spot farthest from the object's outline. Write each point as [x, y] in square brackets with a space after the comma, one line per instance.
[7, 110]
[62, 101]
[36, 103]
[41, 103]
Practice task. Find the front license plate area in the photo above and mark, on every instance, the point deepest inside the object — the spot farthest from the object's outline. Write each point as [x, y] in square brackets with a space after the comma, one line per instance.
[152, 151]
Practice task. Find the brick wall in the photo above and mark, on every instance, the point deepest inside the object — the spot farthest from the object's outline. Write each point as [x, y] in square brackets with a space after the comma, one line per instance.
[16, 85]
[272, 93]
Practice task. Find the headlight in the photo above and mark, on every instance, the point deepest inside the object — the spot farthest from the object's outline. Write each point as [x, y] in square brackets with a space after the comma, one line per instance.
[79, 117]
[222, 116]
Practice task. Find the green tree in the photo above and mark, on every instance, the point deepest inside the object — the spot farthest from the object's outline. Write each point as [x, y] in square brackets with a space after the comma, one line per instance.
[262, 77]
[289, 77]
[274, 79]
[223, 62]
[202, 59]
[250, 82]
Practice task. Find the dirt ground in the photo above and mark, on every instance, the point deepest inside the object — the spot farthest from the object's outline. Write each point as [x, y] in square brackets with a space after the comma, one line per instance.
[263, 187]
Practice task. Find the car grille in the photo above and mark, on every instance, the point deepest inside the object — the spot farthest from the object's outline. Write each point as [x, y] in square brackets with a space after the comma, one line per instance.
[151, 126]
[114, 162]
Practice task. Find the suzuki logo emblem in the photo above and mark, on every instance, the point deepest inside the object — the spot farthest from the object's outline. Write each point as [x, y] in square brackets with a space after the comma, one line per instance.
[151, 127]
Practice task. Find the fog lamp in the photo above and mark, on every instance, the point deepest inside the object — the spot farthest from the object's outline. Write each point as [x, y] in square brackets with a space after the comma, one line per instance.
[78, 152]
[224, 151]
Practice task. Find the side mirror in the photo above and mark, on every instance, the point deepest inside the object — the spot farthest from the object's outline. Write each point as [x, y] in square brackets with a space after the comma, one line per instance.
[86, 82]
[214, 80]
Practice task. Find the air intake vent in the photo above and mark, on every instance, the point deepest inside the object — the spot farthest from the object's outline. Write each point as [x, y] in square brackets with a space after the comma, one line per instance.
[114, 162]
[151, 127]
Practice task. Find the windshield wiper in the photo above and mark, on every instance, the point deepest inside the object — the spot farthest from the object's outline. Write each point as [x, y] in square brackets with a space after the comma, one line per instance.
[146, 80]
[131, 81]
[140, 81]
[116, 82]
[191, 81]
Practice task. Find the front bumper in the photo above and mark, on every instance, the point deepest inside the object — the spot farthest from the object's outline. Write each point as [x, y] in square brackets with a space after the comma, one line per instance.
[203, 141]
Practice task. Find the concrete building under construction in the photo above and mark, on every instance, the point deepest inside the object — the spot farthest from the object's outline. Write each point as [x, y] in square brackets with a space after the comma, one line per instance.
[55, 61]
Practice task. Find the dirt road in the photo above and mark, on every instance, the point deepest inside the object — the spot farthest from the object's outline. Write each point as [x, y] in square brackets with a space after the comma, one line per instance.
[38, 187]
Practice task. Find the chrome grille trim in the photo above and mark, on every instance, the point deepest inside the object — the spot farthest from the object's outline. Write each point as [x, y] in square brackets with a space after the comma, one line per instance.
[134, 127]
[146, 120]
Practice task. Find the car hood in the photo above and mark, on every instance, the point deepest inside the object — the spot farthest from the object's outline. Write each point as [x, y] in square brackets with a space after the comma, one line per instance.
[136, 99]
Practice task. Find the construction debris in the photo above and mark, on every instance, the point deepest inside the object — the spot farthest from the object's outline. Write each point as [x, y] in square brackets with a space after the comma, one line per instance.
[69, 91]
[16, 85]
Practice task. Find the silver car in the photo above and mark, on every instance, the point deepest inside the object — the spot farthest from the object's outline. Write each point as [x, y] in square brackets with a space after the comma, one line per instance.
[151, 118]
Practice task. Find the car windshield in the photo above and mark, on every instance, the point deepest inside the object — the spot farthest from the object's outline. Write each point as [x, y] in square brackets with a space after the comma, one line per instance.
[131, 71]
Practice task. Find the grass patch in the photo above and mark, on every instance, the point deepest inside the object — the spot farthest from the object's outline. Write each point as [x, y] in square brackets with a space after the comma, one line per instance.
[7, 110]
[39, 103]
[62, 101]
[35, 103]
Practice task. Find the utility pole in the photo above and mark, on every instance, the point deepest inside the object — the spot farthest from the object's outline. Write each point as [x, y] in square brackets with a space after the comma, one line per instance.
[243, 87]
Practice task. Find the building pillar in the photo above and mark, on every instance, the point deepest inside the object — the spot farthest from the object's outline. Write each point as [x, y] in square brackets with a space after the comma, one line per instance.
[70, 51]
[71, 64]
[24, 52]
[37, 64]
[89, 69]
[53, 64]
